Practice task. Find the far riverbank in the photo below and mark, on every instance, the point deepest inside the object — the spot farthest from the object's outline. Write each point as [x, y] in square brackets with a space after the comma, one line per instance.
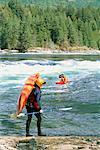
[70, 50]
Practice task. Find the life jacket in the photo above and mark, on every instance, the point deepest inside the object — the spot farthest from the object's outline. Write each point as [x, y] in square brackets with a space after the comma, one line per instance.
[27, 88]
[32, 99]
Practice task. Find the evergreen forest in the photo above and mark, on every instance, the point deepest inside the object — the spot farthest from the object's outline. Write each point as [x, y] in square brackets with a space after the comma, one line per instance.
[24, 26]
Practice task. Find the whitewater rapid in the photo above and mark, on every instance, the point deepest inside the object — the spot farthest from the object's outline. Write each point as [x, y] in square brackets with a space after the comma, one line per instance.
[82, 94]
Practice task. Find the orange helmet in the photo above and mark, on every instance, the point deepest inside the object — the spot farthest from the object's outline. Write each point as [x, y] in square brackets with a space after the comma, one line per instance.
[40, 82]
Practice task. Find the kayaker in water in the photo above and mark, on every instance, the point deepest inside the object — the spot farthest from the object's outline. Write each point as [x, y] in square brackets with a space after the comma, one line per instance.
[30, 97]
[63, 79]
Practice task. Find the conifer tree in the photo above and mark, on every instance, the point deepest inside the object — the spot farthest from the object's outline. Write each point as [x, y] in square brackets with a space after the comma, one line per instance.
[72, 34]
[25, 36]
[25, 26]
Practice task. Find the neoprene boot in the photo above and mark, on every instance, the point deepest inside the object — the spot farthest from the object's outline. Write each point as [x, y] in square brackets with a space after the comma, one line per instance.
[40, 133]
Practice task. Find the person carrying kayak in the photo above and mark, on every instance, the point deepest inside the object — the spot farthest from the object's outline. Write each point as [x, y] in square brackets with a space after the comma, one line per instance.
[31, 97]
[63, 79]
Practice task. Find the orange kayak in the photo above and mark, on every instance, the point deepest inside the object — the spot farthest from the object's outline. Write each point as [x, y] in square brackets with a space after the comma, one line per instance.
[27, 88]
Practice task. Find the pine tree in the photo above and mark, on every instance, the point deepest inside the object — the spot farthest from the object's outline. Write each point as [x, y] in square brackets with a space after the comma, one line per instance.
[98, 44]
[25, 36]
[16, 8]
[9, 29]
[72, 34]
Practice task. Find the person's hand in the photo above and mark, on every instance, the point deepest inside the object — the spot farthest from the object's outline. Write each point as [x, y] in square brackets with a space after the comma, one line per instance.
[41, 111]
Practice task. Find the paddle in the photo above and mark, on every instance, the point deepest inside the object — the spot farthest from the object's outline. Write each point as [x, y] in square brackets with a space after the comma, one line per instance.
[14, 116]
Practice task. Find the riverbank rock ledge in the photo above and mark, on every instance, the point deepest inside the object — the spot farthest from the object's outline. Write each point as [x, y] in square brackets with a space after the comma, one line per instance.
[15, 143]
[50, 143]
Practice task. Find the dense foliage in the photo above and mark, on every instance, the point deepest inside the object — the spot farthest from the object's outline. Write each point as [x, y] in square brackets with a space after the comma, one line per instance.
[27, 26]
[78, 3]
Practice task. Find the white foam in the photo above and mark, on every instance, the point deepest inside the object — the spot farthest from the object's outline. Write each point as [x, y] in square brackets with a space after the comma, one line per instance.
[21, 69]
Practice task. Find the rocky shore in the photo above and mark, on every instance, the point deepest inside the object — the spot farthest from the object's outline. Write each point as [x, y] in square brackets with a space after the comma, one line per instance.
[70, 50]
[50, 143]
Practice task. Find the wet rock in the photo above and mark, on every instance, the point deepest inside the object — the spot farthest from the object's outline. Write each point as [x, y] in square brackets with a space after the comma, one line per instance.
[98, 142]
[49, 143]
[14, 143]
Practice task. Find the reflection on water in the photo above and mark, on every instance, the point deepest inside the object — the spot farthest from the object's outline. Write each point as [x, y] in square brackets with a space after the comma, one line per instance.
[82, 93]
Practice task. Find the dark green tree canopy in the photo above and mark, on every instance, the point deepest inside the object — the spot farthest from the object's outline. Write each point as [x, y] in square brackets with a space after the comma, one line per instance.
[27, 26]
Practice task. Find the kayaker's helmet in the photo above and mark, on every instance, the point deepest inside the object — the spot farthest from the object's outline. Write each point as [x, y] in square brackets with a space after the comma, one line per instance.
[61, 76]
[40, 82]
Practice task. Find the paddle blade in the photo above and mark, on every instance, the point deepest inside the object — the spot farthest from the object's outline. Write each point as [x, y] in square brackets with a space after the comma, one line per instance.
[65, 109]
[20, 115]
[13, 116]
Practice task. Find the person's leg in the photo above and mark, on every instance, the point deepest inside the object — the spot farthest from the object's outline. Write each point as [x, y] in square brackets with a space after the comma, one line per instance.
[28, 121]
[38, 123]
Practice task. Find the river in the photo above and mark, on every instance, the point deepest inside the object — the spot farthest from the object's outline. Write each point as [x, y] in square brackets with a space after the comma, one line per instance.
[82, 93]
